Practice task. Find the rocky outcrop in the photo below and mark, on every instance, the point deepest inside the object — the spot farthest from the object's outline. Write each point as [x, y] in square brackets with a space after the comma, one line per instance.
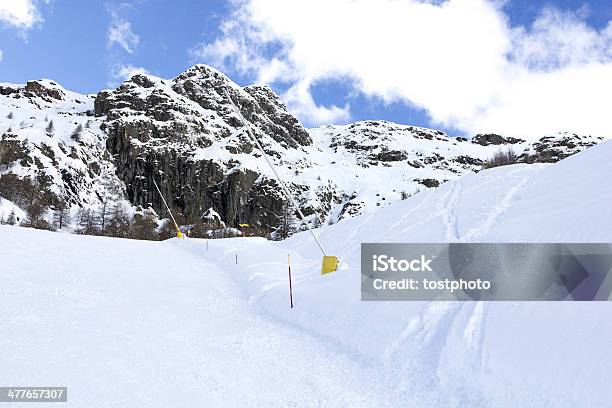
[190, 134]
[45, 89]
[551, 149]
[212, 220]
[12, 149]
[489, 139]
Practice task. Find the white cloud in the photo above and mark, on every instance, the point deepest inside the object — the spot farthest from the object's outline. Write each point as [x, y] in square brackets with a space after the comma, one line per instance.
[122, 72]
[120, 33]
[1, 55]
[457, 59]
[21, 14]
[300, 102]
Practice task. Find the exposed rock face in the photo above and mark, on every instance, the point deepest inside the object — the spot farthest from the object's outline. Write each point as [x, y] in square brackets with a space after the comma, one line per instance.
[189, 134]
[12, 149]
[44, 89]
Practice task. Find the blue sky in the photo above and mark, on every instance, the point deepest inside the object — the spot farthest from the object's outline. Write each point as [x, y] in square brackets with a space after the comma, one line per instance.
[69, 41]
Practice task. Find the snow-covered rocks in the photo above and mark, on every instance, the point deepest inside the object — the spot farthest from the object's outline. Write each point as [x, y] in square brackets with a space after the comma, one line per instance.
[194, 135]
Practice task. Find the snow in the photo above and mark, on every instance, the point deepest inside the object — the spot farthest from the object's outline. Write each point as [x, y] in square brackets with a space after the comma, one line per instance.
[134, 323]
[129, 323]
[6, 207]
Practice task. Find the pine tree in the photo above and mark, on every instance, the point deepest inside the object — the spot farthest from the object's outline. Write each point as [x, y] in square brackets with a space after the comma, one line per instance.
[61, 217]
[12, 218]
[10, 115]
[34, 212]
[76, 133]
[102, 217]
[119, 224]
[86, 222]
[50, 129]
[287, 221]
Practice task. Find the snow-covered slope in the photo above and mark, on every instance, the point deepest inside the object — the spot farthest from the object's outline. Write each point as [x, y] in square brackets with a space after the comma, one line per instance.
[38, 141]
[164, 316]
[462, 354]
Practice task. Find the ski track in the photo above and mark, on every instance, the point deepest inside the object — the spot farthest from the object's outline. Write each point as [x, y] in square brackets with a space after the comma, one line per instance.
[446, 209]
[493, 216]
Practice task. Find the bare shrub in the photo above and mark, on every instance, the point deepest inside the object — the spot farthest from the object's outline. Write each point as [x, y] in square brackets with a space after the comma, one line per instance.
[501, 158]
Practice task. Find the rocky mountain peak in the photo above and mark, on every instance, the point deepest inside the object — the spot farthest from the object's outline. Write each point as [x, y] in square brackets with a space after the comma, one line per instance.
[45, 89]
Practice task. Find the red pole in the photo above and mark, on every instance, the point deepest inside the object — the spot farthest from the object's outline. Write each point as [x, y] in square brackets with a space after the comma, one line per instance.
[290, 287]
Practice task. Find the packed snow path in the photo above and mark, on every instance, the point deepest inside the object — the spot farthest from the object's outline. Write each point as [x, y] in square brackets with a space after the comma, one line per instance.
[133, 323]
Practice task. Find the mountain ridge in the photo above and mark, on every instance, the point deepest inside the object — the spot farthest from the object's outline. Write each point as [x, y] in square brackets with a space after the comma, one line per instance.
[193, 134]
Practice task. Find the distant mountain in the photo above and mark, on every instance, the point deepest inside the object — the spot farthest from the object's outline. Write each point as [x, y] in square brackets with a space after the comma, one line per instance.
[193, 135]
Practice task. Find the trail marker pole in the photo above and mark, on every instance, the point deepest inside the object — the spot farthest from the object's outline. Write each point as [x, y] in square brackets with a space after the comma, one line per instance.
[207, 245]
[236, 257]
[290, 286]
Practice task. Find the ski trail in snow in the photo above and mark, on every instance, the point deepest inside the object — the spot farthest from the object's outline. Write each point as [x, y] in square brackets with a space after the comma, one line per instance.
[446, 208]
[493, 216]
[472, 334]
[424, 334]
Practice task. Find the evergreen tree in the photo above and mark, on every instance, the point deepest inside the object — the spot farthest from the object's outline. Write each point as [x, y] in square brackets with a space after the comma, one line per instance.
[12, 218]
[102, 217]
[287, 221]
[10, 115]
[34, 213]
[87, 224]
[61, 217]
[76, 133]
[50, 129]
[119, 224]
